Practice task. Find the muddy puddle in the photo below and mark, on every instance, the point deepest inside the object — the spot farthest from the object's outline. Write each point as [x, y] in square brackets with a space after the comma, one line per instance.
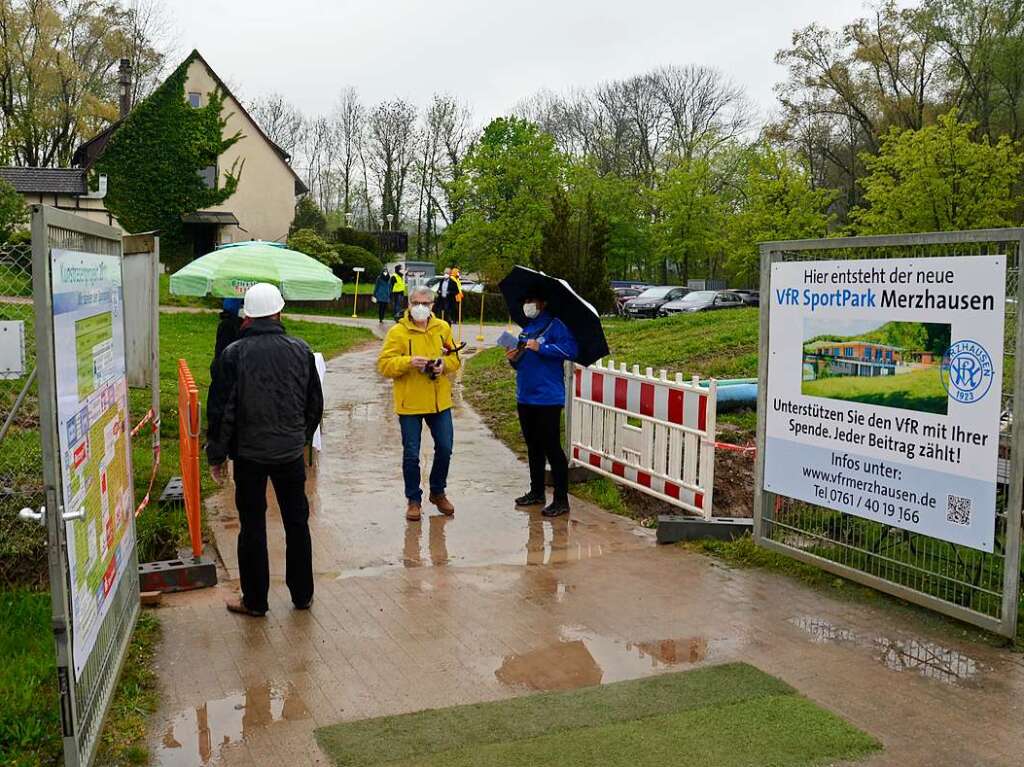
[923, 657]
[197, 736]
[583, 658]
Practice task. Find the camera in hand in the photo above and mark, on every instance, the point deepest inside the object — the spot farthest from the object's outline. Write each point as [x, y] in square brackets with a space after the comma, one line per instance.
[434, 368]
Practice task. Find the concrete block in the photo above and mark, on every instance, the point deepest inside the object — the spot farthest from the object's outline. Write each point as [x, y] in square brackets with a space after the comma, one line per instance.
[182, 574]
[673, 528]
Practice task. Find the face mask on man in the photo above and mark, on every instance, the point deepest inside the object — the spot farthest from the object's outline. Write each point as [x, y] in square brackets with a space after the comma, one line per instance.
[420, 312]
[531, 311]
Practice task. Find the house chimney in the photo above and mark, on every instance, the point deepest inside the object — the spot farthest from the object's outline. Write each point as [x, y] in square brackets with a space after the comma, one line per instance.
[125, 81]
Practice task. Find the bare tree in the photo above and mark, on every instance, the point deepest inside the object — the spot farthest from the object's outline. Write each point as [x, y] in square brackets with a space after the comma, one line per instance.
[150, 42]
[703, 108]
[350, 125]
[283, 123]
[391, 139]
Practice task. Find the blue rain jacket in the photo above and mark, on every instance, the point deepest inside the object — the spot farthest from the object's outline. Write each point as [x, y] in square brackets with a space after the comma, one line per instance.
[539, 375]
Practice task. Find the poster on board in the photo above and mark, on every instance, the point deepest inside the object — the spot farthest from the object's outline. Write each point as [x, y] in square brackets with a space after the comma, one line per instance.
[884, 390]
[93, 435]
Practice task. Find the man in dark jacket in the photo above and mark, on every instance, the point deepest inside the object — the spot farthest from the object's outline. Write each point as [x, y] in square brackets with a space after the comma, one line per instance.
[544, 346]
[229, 326]
[265, 404]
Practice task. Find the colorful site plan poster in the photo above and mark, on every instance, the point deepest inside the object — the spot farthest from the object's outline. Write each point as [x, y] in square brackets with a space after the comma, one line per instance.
[884, 395]
[93, 429]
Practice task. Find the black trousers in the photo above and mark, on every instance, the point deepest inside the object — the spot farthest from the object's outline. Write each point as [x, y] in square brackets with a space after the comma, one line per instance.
[382, 308]
[289, 480]
[542, 430]
[397, 305]
[442, 308]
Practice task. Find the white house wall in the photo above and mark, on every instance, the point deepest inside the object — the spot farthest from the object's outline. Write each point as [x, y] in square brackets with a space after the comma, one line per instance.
[264, 202]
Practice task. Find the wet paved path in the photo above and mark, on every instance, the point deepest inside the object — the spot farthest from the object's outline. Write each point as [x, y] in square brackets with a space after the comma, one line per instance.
[497, 602]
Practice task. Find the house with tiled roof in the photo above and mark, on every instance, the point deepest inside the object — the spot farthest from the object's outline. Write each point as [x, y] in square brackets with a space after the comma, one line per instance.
[261, 207]
[64, 188]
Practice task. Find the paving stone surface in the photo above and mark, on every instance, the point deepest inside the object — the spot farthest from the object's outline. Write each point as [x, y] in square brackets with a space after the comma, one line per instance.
[497, 602]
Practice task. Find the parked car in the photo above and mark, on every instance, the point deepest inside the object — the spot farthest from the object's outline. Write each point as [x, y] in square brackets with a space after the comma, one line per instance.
[651, 300]
[749, 297]
[468, 285]
[622, 295]
[702, 301]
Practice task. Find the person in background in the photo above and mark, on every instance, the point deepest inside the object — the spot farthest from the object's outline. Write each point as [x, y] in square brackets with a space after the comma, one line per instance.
[445, 290]
[382, 294]
[398, 292]
[544, 345]
[456, 296]
[419, 356]
[264, 406]
[229, 325]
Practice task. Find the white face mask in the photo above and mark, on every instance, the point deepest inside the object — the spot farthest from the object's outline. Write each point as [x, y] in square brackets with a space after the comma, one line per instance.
[420, 312]
[531, 311]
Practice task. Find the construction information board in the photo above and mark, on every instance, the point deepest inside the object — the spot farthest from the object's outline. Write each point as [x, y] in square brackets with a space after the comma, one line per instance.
[884, 390]
[94, 434]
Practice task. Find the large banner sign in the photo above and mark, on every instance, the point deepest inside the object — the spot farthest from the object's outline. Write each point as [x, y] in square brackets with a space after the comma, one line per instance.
[884, 390]
[93, 431]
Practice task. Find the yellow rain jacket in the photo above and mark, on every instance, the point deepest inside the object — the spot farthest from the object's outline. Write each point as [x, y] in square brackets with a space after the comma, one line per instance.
[415, 392]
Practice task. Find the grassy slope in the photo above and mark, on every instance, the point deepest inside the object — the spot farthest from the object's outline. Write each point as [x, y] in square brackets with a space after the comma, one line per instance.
[29, 727]
[920, 390]
[721, 715]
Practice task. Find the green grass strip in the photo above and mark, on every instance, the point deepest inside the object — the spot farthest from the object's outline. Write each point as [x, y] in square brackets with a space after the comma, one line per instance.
[777, 730]
[394, 739]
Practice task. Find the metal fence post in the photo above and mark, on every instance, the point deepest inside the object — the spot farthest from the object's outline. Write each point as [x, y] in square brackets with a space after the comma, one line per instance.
[568, 370]
[762, 500]
[1011, 569]
[56, 556]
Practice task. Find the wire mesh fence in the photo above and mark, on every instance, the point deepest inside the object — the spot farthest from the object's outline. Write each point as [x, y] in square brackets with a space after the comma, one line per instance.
[967, 583]
[22, 545]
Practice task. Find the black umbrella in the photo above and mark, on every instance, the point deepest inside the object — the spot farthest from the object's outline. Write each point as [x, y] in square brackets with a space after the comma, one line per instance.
[562, 302]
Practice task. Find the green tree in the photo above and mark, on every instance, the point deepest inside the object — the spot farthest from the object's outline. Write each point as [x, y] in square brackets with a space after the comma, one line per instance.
[13, 211]
[308, 216]
[503, 192]
[574, 248]
[623, 204]
[777, 202]
[939, 178]
[309, 242]
[692, 220]
[155, 158]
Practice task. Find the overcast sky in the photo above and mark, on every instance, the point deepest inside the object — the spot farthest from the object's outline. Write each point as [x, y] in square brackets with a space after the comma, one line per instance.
[490, 54]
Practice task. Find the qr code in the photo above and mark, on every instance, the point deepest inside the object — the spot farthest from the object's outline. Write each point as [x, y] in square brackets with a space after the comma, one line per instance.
[958, 510]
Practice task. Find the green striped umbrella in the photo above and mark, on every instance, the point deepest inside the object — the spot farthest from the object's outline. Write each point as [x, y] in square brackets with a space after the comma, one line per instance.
[231, 269]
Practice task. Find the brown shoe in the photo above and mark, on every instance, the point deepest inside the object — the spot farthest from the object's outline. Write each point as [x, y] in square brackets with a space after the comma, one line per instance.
[443, 504]
[412, 511]
[238, 606]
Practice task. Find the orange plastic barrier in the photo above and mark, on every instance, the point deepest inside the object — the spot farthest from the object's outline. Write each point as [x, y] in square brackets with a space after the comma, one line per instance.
[188, 438]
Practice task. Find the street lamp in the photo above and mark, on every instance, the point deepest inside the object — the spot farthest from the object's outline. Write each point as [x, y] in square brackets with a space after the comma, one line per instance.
[349, 215]
[387, 219]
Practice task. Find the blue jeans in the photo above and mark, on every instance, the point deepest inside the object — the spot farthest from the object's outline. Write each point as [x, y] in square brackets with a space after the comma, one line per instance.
[443, 432]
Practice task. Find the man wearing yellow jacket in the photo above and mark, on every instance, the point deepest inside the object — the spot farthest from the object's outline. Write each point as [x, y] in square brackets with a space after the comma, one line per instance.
[418, 354]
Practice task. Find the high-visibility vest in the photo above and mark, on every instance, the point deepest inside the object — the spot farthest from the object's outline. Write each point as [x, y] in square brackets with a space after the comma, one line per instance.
[458, 288]
[399, 283]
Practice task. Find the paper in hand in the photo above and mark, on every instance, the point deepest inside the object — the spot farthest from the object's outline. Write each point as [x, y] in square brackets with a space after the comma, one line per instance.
[507, 340]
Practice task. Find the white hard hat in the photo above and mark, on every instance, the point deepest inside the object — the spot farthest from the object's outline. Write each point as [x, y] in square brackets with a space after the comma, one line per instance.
[262, 300]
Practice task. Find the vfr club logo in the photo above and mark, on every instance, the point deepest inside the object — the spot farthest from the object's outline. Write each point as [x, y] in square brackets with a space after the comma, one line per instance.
[967, 371]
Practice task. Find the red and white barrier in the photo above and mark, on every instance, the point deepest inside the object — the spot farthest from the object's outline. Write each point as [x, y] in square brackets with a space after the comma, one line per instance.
[654, 434]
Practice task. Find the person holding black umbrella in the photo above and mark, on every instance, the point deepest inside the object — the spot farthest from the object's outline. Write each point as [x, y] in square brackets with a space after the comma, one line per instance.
[544, 346]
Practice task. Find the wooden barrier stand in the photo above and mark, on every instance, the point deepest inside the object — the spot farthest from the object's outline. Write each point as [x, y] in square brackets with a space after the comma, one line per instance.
[188, 438]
